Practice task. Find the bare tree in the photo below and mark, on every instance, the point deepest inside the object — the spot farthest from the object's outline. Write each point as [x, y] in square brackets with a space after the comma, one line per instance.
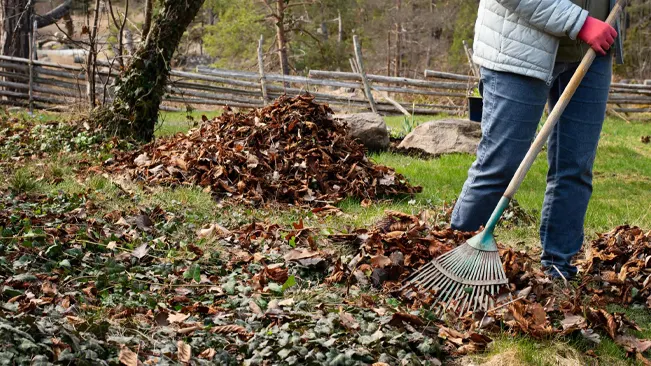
[17, 18]
[119, 25]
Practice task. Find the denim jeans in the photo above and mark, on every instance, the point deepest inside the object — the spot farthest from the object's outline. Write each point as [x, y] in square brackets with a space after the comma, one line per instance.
[513, 106]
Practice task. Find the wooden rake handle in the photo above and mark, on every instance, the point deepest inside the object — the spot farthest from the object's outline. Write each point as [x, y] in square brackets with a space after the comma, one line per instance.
[556, 113]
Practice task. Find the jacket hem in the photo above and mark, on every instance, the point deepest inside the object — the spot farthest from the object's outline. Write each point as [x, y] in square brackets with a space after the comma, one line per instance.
[491, 65]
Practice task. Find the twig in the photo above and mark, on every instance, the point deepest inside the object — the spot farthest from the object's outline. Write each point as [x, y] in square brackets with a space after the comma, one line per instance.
[505, 304]
[22, 237]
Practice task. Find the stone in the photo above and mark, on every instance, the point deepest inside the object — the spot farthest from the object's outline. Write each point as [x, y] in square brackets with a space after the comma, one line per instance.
[443, 137]
[368, 128]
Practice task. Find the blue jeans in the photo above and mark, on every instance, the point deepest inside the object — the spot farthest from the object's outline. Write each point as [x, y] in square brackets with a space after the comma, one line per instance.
[513, 106]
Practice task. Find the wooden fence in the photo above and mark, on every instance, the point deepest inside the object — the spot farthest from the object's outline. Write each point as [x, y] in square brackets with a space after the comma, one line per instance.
[627, 98]
[62, 87]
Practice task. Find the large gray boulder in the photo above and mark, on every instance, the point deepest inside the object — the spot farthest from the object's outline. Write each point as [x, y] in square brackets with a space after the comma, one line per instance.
[369, 128]
[443, 137]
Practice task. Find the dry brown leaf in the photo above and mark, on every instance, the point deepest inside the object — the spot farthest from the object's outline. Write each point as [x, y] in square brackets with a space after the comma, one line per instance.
[128, 357]
[184, 351]
[380, 261]
[643, 360]
[632, 344]
[48, 288]
[298, 254]
[399, 318]
[229, 329]
[255, 308]
[348, 321]
[177, 317]
[207, 354]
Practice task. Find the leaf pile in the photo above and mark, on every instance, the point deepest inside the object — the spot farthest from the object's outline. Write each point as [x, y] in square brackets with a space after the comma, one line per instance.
[618, 265]
[398, 244]
[291, 151]
[401, 243]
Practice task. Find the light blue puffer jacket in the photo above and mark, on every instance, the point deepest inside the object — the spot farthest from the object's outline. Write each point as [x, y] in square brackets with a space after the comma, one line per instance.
[522, 36]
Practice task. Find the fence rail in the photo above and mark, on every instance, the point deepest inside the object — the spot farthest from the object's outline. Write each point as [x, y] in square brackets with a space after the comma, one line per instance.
[61, 87]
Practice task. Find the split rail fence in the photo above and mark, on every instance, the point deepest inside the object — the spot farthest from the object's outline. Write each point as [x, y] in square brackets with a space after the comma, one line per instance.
[45, 85]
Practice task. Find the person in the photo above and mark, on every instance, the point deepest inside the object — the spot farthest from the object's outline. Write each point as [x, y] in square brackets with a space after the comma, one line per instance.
[527, 51]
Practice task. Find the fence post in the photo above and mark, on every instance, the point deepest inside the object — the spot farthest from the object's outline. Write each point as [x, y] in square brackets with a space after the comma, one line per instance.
[362, 72]
[263, 81]
[32, 49]
[353, 67]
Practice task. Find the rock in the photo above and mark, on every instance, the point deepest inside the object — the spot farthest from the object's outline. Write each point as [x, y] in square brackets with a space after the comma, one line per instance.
[444, 137]
[368, 128]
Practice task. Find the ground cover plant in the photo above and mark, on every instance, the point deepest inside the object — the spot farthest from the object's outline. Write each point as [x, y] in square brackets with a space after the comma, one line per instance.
[97, 270]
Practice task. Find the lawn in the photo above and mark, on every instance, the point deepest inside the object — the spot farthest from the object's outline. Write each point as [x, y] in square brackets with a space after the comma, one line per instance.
[622, 195]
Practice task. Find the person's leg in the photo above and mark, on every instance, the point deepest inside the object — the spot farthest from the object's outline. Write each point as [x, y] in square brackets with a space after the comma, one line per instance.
[513, 105]
[572, 147]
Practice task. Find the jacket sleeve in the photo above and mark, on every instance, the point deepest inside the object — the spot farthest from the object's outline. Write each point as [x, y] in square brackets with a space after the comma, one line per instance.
[556, 17]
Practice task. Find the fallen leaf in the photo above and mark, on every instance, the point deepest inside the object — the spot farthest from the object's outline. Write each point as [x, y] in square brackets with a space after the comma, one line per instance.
[255, 308]
[207, 354]
[632, 344]
[398, 319]
[380, 261]
[572, 323]
[229, 329]
[286, 302]
[128, 357]
[140, 251]
[48, 288]
[184, 352]
[348, 321]
[298, 254]
[177, 317]
[143, 222]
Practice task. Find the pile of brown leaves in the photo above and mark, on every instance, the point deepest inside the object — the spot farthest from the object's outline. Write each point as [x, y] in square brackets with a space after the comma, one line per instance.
[291, 151]
[401, 243]
[618, 267]
[398, 244]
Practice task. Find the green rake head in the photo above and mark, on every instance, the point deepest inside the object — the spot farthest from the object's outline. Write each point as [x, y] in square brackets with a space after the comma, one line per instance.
[467, 278]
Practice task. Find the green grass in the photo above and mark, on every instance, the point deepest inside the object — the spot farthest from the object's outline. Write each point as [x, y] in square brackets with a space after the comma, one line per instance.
[622, 182]
[174, 122]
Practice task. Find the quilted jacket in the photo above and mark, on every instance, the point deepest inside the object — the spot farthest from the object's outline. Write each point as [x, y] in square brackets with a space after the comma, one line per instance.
[522, 36]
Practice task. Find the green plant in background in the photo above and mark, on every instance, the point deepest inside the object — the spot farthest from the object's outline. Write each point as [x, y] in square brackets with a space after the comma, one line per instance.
[474, 92]
[464, 26]
[22, 181]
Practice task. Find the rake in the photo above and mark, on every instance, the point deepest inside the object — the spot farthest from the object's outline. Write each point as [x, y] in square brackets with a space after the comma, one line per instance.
[470, 276]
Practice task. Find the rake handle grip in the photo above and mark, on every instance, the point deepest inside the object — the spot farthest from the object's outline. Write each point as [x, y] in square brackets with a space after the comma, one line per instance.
[558, 110]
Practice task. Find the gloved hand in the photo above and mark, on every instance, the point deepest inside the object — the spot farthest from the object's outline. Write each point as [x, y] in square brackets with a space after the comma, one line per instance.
[599, 35]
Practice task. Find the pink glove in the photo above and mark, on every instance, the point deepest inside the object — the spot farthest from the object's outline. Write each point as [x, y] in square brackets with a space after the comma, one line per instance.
[599, 35]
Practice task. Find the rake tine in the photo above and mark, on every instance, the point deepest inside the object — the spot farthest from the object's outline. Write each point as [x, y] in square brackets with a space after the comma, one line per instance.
[468, 272]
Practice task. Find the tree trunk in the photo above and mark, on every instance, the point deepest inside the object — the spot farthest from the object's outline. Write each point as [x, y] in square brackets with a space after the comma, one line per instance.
[389, 53]
[280, 35]
[149, 5]
[397, 62]
[16, 27]
[139, 91]
[90, 59]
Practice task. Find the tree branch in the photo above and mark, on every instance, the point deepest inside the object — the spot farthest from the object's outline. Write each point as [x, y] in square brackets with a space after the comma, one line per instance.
[53, 15]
